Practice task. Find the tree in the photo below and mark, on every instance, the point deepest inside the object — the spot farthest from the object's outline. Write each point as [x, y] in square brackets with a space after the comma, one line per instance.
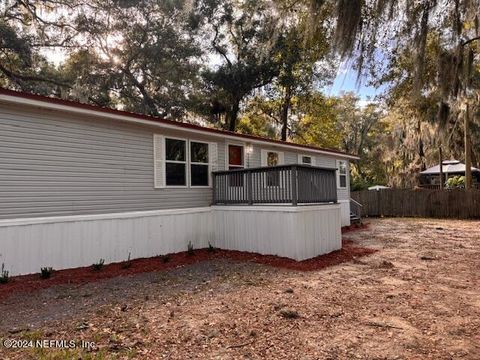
[244, 43]
[139, 55]
[369, 30]
[305, 64]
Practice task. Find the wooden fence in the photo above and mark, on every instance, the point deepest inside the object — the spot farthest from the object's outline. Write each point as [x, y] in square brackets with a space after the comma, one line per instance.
[457, 204]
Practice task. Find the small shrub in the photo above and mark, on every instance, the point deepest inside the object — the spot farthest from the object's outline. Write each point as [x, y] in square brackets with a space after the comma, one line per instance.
[98, 266]
[211, 248]
[127, 264]
[190, 249]
[456, 182]
[4, 275]
[165, 258]
[46, 272]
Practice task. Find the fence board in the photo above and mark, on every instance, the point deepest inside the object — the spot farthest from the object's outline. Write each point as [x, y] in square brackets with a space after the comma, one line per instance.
[456, 203]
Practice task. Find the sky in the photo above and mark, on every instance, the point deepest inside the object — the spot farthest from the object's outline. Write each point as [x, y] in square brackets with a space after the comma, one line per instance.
[346, 81]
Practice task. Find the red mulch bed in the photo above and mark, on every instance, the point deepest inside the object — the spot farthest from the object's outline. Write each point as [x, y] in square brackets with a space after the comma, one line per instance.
[28, 283]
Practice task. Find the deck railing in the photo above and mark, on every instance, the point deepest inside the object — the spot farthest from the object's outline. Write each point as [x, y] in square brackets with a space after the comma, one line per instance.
[292, 184]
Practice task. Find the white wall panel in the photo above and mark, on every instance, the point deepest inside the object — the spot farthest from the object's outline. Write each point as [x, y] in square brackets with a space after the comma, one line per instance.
[296, 232]
[345, 212]
[300, 233]
[26, 245]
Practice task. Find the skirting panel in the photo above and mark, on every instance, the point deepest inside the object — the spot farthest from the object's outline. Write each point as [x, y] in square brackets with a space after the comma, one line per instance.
[300, 233]
[64, 242]
[345, 210]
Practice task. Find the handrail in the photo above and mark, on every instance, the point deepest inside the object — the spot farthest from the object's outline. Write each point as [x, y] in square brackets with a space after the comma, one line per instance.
[356, 202]
[251, 169]
[282, 184]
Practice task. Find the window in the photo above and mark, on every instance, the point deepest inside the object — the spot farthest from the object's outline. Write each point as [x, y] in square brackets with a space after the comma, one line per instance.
[175, 162]
[183, 162]
[235, 161]
[199, 166]
[235, 157]
[273, 178]
[272, 158]
[342, 174]
[307, 160]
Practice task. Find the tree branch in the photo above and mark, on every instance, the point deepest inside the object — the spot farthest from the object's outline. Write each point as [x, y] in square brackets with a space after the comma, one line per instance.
[468, 41]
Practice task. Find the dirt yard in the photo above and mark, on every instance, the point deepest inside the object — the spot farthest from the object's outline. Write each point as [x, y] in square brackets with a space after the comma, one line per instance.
[418, 297]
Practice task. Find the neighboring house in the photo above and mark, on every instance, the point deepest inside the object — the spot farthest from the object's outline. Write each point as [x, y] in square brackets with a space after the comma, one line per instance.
[79, 183]
[378, 187]
[430, 178]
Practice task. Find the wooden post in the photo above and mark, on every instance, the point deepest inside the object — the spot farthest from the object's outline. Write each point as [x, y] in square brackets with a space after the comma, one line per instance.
[250, 188]
[440, 155]
[294, 186]
[468, 152]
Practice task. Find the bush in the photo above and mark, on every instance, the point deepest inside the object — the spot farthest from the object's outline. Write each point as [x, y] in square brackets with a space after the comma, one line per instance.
[211, 248]
[190, 249]
[4, 275]
[456, 182]
[127, 264]
[98, 266]
[46, 272]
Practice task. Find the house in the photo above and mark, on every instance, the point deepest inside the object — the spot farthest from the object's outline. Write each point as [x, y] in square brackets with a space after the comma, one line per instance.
[79, 183]
[378, 187]
[430, 178]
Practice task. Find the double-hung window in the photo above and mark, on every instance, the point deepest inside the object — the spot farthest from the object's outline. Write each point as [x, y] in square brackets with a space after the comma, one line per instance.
[342, 174]
[175, 162]
[182, 162]
[199, 164]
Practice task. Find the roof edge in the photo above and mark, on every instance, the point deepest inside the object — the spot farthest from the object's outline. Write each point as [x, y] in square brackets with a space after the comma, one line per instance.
[69, 105]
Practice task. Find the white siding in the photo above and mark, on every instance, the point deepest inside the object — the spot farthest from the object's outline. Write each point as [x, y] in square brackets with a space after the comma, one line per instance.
[26, 245]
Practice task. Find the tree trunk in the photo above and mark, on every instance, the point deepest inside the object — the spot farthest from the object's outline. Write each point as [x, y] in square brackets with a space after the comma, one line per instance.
[287, 102]
[231, 116]
[440, 155]
[468, 152]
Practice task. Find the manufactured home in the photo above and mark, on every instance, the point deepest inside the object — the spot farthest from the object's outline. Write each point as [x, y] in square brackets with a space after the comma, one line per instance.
[79, 183]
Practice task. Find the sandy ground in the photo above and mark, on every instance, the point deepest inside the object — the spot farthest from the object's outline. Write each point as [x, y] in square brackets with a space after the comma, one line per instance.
[418, 297]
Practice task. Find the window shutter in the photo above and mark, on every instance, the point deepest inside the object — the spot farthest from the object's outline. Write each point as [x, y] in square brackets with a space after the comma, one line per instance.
[159, 160]
[313, 160]
[281, 158]
[300, 159]
[263, 157]
[213, 156]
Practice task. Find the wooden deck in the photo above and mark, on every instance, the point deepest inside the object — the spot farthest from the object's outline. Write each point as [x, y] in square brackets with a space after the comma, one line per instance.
[286, 184]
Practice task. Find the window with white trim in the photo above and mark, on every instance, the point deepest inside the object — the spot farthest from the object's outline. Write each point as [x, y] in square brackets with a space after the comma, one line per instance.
[306, 159]
[272, 158]
[342, 174]
[235, 157]
[199, 164]
[236, 160]
[273, 178]
[175, 162]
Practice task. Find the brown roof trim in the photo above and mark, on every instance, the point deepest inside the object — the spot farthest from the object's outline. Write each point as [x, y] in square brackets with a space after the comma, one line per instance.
[80, 105]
